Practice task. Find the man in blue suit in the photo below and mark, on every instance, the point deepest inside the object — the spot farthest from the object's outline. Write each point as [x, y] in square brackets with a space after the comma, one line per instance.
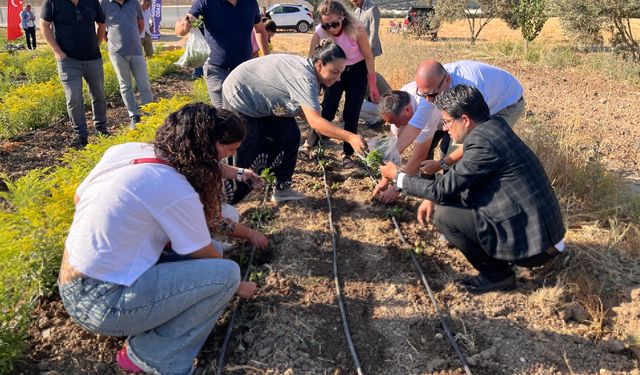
[496, 204]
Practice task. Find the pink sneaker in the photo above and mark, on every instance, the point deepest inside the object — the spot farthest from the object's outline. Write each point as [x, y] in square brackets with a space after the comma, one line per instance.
[124, 362]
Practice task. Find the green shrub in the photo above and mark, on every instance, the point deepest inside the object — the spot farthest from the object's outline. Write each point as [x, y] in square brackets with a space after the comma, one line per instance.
[200, 92]
[162, 63]
[9, 75]
[33, 105]
[30, 106]
[111, 84]
[561, 57]
[36, 222]
[41, 69]
[538, 52]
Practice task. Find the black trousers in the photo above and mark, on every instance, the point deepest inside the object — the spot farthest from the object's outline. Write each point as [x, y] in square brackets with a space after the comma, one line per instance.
[459, 227]
[271, 142]
[353, 82]
[30, 34]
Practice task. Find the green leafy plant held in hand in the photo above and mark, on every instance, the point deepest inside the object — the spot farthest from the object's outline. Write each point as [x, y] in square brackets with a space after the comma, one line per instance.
[198, 22]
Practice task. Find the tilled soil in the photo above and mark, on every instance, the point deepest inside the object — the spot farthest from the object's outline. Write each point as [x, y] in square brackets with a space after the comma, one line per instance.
[293, 324]
[44, 147]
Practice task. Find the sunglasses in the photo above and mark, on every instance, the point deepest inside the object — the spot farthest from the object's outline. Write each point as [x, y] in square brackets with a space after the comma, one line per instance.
[79, 18]
[332, 25]
[431, 94]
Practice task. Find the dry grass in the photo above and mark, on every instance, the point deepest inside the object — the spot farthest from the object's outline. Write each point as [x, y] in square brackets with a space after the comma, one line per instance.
[601, 213]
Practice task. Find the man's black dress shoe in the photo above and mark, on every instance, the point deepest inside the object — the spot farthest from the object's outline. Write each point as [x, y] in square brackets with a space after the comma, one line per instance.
[480, 284]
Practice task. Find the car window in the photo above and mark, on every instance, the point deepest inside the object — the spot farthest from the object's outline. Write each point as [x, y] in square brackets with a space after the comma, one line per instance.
[291, 10]
[277, 10]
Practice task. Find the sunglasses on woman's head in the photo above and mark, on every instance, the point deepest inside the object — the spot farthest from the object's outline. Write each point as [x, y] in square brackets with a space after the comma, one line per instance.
[331, 25]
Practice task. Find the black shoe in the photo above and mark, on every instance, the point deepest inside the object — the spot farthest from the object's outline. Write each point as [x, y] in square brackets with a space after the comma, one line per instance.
[480, 284]
[103, 132]
[134, 121]
[79, 142]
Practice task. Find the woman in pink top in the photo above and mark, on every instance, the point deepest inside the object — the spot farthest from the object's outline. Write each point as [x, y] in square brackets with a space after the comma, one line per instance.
[340, 25]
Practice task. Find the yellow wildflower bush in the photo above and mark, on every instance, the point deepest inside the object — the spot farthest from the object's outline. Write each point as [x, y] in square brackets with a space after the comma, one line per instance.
[111, 84]
[41, 68]
[29, 106]
[33, 105]
[35, 221]
[162, 63]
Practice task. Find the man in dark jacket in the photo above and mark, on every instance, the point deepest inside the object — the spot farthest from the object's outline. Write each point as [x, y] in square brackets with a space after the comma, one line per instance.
[496, 204]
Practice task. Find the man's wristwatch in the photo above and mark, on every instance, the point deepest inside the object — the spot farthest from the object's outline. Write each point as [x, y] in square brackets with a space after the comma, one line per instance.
[240, 175]
[443, 165]
[395, 181]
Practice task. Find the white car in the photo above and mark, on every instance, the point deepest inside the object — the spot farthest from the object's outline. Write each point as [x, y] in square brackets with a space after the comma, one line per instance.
[291, 16]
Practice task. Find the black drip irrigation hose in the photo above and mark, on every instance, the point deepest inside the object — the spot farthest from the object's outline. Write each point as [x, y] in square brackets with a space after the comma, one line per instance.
[443, 321]
[341, 303]
[232, 320]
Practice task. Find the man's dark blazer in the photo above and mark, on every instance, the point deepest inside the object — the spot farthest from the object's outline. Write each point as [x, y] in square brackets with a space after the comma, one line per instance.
[500, 179]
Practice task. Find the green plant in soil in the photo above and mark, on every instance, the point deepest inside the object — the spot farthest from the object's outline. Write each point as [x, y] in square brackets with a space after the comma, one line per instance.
[264, 213]
[257, 277]
[394, 212]
[372, 161]
[269, 182]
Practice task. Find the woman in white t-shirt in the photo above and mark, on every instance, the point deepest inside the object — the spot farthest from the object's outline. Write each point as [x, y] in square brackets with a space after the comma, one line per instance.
[137, 200]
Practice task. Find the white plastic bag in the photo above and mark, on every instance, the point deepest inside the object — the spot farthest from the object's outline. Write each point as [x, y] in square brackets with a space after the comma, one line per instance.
[196, 52]
[387, 147]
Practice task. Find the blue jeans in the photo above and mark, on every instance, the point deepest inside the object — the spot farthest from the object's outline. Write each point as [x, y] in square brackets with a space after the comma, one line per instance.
[168, 312]
[71, 72]
[125, 67]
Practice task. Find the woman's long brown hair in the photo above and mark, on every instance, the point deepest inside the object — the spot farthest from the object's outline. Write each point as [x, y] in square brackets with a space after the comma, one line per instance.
[187, 141]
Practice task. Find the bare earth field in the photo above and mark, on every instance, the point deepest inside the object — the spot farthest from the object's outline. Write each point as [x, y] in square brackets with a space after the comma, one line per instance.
[293, 326]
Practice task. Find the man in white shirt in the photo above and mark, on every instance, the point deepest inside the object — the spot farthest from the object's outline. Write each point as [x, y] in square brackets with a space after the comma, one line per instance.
[413, 120]
[501, 90]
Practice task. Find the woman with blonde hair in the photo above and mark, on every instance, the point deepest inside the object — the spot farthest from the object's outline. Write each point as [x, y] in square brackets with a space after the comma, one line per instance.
[340, 25]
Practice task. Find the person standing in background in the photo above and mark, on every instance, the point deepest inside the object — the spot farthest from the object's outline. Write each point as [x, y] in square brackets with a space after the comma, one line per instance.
[29, 26]
[145, 36]
[69, 27]
[228, 25]
[125, 22]
[369, 14]
[271, 28]
[340, 25]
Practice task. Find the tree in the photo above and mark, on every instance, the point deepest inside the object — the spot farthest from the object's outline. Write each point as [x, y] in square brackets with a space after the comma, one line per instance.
[530, 16]
[587, 19]
[478, 13]
[581, 19]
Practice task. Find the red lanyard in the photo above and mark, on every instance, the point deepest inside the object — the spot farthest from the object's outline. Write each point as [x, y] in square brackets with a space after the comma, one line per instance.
[148, 160]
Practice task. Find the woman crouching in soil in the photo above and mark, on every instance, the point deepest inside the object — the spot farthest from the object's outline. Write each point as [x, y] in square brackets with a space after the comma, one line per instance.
[136, 200]
[268, 93]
